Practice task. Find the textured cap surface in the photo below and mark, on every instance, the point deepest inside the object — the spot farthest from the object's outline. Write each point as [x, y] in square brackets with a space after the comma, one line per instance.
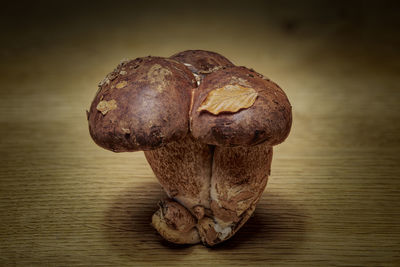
[142, 105]
[267, 120]
[201, 62]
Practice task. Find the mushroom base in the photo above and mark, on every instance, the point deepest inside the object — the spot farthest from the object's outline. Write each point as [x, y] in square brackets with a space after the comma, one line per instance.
[213, 190]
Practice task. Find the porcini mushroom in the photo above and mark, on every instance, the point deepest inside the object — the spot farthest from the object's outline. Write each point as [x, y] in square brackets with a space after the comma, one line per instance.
[207, 129]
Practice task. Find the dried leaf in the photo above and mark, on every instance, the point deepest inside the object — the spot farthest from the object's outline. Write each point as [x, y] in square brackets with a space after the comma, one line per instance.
[121, 84]
[106, 106]
[230, 98]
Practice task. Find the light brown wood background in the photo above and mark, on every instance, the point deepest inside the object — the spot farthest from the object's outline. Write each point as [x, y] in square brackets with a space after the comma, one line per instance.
[333, 198]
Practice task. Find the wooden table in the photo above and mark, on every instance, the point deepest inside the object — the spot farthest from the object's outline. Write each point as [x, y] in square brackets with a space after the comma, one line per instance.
[334, 194]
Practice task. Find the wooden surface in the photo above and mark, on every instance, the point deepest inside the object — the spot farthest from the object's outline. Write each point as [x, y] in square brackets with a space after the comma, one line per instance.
[334, 194]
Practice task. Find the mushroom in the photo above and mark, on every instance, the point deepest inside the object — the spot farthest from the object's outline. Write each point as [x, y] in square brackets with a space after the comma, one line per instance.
[206, 127]
[142, 105]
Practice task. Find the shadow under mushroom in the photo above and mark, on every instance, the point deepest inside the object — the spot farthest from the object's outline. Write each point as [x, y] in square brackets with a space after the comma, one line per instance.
[277, 222]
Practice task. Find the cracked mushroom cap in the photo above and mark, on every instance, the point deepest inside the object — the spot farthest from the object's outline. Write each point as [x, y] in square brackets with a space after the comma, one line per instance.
[142, 105]
[236, 106]
[201, 62]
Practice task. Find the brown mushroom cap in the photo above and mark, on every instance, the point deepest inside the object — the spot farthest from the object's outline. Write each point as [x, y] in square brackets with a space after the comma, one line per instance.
[269, 119]
[142, 105]
[201, 62]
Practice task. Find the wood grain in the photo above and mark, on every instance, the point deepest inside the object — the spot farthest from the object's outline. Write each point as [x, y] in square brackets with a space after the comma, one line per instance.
[333, 198]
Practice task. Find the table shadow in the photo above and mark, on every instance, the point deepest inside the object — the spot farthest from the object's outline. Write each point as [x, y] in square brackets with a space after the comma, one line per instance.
[277, 223]
[127, 227]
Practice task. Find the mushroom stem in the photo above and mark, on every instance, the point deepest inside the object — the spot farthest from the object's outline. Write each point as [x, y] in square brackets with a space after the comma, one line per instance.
[175, 223]
[183, 168]
[215, 188]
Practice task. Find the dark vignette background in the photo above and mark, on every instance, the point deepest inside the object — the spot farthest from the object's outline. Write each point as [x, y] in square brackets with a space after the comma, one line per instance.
[333, 197]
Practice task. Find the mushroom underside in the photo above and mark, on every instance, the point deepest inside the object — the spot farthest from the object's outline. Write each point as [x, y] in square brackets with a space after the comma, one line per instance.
[214, 188]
